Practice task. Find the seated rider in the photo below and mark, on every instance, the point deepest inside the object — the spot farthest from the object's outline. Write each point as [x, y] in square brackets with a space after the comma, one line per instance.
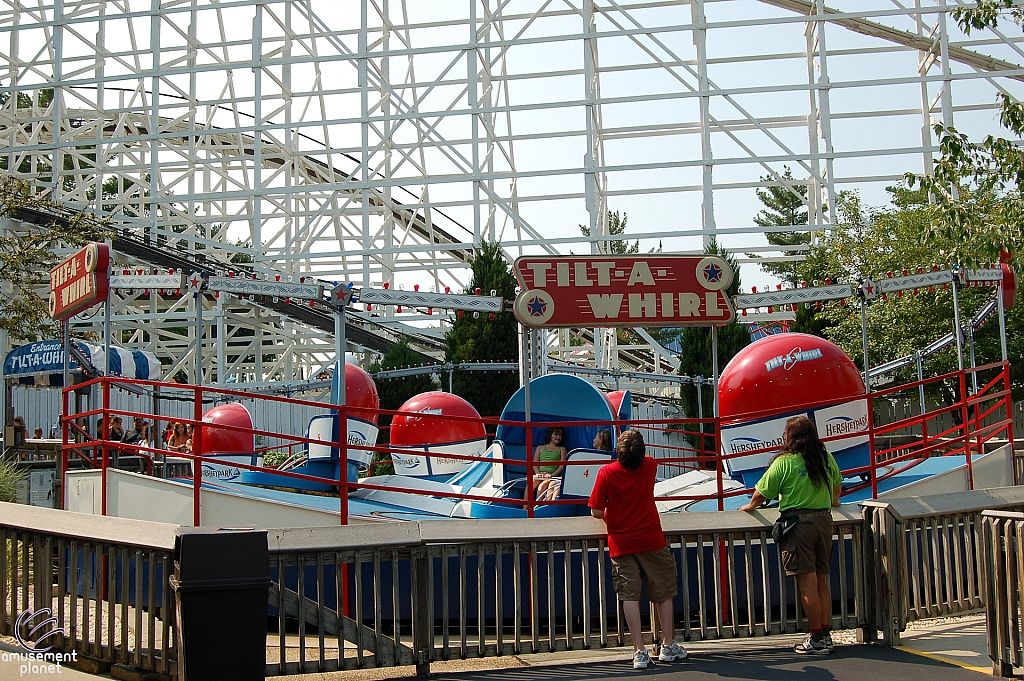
[547, 480]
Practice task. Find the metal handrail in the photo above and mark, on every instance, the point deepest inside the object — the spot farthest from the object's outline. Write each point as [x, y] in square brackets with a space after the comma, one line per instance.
[968, 438]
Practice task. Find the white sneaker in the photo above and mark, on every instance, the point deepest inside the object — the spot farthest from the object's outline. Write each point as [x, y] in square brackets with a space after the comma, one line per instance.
[641, 659]
[811, 647]
[672, 652]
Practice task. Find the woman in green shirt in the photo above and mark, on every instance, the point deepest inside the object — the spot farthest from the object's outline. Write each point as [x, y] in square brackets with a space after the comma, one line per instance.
[806, 480]
[552, 452]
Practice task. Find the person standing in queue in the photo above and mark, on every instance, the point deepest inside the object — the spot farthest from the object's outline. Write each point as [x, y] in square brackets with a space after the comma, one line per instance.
[623, 497]
[806, 480]
[179, 440]
[116, 429]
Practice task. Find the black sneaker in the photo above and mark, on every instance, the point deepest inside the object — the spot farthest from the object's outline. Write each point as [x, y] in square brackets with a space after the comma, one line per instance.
[811, 647]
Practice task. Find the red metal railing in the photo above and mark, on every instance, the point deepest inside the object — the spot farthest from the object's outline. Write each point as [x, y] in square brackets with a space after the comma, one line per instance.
[984, 416]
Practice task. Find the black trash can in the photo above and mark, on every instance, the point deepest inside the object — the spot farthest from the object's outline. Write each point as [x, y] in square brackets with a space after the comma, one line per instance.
[220, 582]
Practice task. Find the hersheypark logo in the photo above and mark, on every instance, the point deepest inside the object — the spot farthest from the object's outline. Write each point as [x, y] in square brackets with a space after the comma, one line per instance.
[795, 355]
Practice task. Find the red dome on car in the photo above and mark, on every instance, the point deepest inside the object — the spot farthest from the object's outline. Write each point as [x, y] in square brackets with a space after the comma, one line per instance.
[224, 440]
[361, 391]
[419, 431]
[787, 370]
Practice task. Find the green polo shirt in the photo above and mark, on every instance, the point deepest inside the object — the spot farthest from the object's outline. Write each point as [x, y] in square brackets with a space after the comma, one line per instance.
[786, 480]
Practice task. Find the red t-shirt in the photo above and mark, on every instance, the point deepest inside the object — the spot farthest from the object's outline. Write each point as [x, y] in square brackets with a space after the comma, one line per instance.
[627, 498]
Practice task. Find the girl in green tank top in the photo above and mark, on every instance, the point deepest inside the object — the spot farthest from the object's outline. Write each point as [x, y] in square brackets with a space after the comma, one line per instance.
[550, 452]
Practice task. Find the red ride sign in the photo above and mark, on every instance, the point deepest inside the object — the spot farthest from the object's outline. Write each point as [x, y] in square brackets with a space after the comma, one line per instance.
[80, 282]
[639, 290]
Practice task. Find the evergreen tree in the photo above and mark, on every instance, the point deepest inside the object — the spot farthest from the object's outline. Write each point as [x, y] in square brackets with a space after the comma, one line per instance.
[482, 339]
[783, 207]
[394, 392]
[695, 359]
[616, 227]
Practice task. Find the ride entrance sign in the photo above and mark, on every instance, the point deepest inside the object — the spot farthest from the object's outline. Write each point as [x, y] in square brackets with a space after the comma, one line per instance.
[80, 282]
[635, 290]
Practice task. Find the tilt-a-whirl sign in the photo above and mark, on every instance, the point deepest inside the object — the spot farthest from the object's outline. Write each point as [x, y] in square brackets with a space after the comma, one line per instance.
[81, 281]
[638, 290]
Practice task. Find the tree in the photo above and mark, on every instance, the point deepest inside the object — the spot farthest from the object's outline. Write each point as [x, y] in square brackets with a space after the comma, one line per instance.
[478, 338]
[616, 227]
[695, 359]
[26, 259]
[784, 206]
[977, 205]
[394, 392]
[873, 241]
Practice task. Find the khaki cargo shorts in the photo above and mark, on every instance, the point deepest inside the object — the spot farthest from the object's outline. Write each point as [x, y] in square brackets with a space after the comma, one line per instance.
[808, 546]
[659, 567]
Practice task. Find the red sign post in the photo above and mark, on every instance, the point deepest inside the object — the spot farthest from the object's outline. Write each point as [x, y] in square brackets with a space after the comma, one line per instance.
[80, 282]
[637, 290]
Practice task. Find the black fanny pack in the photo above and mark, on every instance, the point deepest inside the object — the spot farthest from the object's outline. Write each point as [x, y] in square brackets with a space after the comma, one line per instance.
[784, 525]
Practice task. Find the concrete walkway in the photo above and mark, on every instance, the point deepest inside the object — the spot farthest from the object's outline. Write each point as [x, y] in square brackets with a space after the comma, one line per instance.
[947, 649]
[958, 640]
[848, 663]
[14, 666]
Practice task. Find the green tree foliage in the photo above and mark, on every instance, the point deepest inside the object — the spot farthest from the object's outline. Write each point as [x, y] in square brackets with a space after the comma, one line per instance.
[784, 206]
[481, 339]
[27, 257]
[695, 359]
[873, 241]
[616, 227]
[978, 208]
[394, 392]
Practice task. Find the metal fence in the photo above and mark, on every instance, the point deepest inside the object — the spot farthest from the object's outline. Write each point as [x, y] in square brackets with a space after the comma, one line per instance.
[103, 580]
[40, 406]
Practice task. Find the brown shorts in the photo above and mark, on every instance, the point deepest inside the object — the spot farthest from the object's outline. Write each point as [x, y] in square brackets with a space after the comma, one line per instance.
[808, 546]
[659, 567]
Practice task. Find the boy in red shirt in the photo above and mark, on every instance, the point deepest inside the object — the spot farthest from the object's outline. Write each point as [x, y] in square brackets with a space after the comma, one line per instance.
[623, 497]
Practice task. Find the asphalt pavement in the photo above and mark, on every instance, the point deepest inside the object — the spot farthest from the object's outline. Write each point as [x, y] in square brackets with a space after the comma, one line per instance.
[848, 663]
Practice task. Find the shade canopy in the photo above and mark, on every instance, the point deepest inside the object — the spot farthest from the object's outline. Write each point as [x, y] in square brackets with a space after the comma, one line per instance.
[47, 357]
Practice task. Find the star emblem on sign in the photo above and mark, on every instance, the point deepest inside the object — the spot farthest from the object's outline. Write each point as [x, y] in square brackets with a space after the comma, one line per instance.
[195, 282]
[870, 289]
[341, 295]
[537, 306]
[713, 273]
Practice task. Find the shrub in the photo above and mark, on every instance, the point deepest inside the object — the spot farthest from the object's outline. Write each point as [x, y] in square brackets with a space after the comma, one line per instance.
[10, 476]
